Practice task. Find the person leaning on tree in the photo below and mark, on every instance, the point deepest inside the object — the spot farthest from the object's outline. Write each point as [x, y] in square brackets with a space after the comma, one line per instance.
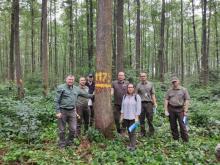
[91, 85]
[119, 89]
[130, 111]
[176, 107]
[148, 100]
[65, 103]
[82, 107]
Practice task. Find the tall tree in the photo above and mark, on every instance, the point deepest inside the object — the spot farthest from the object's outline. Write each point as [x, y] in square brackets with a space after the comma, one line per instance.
[32, 36]
[89, 13]
[11, 59]
[17, 50]
[104, 120]
[161, 46]
[181, 51]
[129, 35]
[195, 37]
[120, 36]
[138, 38]
[216, 37]
[205, 67]
[71, 36]
[44, 44]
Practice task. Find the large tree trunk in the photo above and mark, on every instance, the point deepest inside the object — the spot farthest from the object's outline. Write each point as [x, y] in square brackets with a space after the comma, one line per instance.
[103, 109]
[205, 68]
[138, 38]
[44, 48]
[17, 50]
[161, 47]
[120, 37]
[195, 38]
[11, 59]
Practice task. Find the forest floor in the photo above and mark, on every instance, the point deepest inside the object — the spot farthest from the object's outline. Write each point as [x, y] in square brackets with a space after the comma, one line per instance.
[28, 134]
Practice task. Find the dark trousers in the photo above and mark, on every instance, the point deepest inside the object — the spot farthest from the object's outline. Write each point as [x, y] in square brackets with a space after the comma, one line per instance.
[117, 116]
[132, 137]
[91, 121]
[83, 112]
[146, 112]
[69, 117]
[174, 116]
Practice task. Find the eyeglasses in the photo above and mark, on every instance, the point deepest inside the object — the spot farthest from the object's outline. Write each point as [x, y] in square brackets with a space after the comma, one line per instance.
[130, 87]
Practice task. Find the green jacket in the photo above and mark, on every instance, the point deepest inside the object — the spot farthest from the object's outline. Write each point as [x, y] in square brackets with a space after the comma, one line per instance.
[66, 97]
[82, 101]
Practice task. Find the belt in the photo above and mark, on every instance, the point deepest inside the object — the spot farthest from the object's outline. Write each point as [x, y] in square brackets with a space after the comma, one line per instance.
[175, 106]
[68, 109]
[146, 101]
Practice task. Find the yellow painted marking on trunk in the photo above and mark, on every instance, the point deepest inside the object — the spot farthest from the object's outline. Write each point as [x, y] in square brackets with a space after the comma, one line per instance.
[103, 85]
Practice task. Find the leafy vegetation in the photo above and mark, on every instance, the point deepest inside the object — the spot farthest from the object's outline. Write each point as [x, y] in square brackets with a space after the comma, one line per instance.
[29, 134]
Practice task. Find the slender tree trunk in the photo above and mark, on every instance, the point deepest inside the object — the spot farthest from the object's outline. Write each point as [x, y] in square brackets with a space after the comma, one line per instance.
[209, 28]
[216, 38]
[205, 68]
[71, 39]
[138, 38]
[182, 59]
[32, 37]
[129, 35]
[11, 59]
[120, 37]
[44, 48]
[114, 41]
[17, 50]
[195, 37]
[104, 120]
[55, 42]
[161, 47]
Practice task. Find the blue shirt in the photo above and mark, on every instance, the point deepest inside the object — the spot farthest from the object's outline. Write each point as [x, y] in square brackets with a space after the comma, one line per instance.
[131, 107]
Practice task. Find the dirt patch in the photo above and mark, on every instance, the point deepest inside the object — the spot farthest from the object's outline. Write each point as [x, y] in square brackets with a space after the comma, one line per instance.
[84, 150]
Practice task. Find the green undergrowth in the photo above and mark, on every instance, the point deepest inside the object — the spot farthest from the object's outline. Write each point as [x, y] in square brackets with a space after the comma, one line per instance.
[28, 134]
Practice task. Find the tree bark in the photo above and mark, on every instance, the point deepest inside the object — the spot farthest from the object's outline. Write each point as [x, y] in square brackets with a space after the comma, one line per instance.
[120, 37]
[195, 37]
[138, 38]
[216, 38]
[205, 67]
[44, 48]
[181, 51]
[103, 111]
[32, 37]
[11, 59]
[161, 47]
[17, 50]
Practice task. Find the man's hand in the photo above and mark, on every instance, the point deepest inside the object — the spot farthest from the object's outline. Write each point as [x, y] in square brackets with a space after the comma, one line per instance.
[136, 119]
[59, 115]
[166, 113]
[155, 105]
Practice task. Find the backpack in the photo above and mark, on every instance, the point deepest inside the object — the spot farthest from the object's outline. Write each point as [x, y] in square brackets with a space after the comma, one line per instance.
[135, 97]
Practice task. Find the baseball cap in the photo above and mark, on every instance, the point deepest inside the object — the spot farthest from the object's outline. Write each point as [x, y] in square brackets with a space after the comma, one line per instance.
[90, 75]
[174, 79]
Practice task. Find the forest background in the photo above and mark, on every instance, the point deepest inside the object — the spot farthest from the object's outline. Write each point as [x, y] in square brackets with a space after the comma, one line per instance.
[43, 41]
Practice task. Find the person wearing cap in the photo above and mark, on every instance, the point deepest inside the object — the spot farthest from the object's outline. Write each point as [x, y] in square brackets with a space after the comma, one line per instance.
[65, 104]
[146, 91]
[91, 85]
[176, 107]
[119, 89]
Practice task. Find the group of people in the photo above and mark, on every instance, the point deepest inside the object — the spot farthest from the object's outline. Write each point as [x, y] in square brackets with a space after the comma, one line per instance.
[132, 104]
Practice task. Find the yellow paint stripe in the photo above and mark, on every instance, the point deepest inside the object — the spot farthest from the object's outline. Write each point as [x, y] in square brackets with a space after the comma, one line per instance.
[103, 85]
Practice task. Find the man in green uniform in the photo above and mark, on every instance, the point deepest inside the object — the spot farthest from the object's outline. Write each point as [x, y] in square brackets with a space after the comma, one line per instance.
[65, 102]
[176, 107]
[146, 91]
